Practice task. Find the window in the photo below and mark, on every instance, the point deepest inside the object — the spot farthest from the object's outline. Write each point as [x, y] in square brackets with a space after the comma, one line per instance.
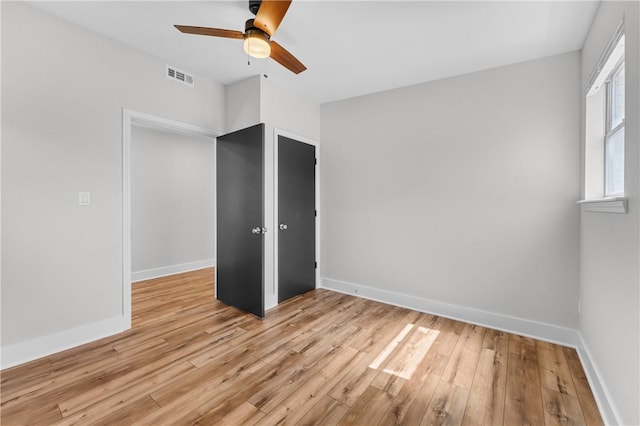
[614, 134]
[605, 121]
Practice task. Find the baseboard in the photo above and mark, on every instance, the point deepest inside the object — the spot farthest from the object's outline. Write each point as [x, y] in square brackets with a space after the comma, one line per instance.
[603, 398]
[30, 350]
[148, 274]
[537, 330]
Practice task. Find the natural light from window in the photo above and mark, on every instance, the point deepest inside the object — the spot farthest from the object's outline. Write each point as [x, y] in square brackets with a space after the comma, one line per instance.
[405, 351]
[614, 134]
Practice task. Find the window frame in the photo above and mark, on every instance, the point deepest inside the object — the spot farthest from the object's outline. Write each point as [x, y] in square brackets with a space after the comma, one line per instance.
[594, 191]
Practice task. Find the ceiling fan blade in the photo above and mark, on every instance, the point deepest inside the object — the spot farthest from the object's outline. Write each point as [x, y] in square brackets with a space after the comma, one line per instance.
[270, 15]
[215, 32]
[286, 59]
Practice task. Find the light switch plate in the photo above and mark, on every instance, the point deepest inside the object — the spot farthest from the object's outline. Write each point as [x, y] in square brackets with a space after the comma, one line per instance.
[84, 198]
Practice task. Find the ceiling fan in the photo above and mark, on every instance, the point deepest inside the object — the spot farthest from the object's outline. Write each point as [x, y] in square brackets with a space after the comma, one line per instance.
[258, 32]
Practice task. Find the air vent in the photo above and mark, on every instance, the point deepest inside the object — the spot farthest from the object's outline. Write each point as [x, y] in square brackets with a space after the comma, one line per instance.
[179, 76]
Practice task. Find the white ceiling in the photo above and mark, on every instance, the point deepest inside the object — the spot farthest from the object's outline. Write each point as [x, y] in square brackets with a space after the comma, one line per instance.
[351, 48]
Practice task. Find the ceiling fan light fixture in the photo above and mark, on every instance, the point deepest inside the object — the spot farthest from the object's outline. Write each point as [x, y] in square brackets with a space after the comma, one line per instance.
[256, 43]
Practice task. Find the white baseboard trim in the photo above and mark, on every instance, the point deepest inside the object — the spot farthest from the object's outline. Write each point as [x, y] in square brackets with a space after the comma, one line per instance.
[537, 330]
[608, 411]
[148, 274]
[30, 350]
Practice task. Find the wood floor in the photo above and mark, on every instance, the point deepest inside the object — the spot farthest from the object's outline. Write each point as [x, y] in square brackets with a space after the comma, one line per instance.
[322, 358]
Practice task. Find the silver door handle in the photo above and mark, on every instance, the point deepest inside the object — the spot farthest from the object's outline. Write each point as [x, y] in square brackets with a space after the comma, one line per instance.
[257, 230]
[283, 226]
[263, 230]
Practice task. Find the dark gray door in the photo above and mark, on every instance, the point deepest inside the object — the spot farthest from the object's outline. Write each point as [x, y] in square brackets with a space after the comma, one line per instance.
[296, 218]
[240, 219]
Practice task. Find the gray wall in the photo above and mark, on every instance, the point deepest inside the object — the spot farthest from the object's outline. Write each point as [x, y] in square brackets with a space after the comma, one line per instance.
[610, 243]
[172, 200]
[461, 191]
[63, 91]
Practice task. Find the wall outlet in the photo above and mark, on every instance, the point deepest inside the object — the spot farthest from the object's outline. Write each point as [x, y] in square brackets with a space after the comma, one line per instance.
[84, 198]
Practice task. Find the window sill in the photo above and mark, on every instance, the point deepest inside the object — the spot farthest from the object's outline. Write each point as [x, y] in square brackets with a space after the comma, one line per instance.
[605, 205]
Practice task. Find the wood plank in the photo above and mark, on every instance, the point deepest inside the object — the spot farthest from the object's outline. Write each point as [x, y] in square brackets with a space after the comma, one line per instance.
[464, 358]
[327, 411]
[38, 414]
[447, 340]
[554, 370]
[523, 401]
[447, 405]
[245, 414]
[561, 409]
[411, 404]
[354, 383]
[129, 413]
[585, 396]
[369, 408]
[21, 380]
[486, 399]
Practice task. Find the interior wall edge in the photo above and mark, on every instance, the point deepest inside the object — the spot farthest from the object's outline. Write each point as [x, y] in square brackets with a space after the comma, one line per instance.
[22, 352]
[163, 271]
[520, 326]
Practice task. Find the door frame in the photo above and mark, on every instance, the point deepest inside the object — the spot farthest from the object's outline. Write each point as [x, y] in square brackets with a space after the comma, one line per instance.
[136, 118]
[275, 225]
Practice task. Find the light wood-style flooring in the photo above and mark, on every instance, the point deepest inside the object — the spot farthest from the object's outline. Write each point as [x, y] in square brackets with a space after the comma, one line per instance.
[321, 358]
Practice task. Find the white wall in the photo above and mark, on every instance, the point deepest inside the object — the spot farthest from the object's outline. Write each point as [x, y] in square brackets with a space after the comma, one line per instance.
[460, 191]
[63, 91]
[242, 104]
[610, 243]
[172, 202]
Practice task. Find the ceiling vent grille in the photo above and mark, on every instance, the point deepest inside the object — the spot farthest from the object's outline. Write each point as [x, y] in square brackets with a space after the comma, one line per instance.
[180, 76]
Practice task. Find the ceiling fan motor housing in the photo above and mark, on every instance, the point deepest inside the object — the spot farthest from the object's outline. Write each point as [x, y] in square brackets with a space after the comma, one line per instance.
[254, 5]
[251, 29]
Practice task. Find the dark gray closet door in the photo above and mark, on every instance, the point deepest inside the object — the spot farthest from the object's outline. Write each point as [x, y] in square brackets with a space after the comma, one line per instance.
[240, 219]
[296, 218]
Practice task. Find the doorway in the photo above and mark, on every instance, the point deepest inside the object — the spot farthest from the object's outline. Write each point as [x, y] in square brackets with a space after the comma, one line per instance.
[135, 118]
[172, 203]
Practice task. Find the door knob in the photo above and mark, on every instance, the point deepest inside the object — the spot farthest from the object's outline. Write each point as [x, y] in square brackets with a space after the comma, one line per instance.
[263, 230]
[283, 226]
[257, 230]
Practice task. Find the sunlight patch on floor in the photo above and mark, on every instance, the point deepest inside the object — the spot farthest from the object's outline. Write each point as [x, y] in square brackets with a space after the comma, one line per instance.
[409, 355]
